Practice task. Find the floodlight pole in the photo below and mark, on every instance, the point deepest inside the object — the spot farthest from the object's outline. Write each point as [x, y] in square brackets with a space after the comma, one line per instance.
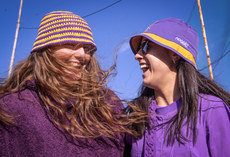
[205, 40]
[15, 40]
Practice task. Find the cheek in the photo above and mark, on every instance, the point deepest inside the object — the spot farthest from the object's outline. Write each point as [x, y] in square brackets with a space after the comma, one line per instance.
[87, 59]
[65, 57]
[160, 61]
[155, 62]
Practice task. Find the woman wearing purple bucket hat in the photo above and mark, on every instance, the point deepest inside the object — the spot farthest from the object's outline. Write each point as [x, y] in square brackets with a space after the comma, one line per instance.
[188, 113]
[56, 102]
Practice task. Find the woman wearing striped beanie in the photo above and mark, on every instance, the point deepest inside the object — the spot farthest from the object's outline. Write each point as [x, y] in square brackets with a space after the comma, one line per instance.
[59, 99]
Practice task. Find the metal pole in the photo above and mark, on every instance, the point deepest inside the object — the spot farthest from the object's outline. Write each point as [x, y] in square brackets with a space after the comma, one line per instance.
[205, 40]
[15, 40]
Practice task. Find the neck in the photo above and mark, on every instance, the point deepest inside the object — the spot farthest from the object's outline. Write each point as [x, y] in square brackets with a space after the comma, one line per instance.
[168, 94]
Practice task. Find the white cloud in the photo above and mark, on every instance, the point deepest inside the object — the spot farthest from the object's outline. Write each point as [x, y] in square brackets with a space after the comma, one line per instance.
[124, 47]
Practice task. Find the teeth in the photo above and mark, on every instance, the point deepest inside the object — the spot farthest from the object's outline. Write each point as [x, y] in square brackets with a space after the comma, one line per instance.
[75, 64]
[144, 66]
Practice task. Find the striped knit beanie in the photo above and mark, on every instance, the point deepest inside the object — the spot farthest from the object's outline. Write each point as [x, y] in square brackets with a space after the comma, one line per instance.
[62, 27]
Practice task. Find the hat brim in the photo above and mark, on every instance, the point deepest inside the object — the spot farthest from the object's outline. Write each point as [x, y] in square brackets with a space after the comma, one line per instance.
[63, 41]
[176, 48]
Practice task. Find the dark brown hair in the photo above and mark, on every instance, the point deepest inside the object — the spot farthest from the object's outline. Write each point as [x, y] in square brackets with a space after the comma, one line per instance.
[191, 84]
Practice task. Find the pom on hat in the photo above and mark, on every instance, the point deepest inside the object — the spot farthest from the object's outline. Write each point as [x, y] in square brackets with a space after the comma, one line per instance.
[62, 27]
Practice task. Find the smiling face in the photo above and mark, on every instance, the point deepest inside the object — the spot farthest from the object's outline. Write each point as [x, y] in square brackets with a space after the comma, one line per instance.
[157, 65]
[76, 55]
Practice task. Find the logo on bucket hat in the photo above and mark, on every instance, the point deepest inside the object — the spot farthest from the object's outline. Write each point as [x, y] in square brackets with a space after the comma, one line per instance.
[184, 43]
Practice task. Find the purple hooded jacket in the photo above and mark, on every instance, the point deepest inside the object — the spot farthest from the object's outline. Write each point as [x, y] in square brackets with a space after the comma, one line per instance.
[213, 128]
[36, 135]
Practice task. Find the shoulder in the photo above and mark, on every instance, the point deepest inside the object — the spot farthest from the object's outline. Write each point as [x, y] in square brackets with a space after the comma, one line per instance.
[111, 96]
[18, 101]
[211, 103]
[114, 100]
[215, 114]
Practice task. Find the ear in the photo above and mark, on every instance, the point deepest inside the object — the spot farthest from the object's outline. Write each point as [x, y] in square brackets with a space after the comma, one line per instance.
[174, 56]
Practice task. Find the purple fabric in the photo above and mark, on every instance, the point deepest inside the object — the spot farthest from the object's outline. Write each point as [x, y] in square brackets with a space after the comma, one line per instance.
[174, 30]
[36, 135]
[170, 28]
[213, 129]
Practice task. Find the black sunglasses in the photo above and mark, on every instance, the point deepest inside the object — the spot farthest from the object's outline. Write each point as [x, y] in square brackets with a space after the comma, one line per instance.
[143, 47]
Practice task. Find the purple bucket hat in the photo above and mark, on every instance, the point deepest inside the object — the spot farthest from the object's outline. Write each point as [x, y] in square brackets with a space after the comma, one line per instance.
[173, 34]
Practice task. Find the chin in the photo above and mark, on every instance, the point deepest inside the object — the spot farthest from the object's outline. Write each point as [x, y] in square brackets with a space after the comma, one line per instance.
[148, 84]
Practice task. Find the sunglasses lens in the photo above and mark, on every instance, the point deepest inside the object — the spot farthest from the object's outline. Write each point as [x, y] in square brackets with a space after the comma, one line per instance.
[144, 47]
[139, 47]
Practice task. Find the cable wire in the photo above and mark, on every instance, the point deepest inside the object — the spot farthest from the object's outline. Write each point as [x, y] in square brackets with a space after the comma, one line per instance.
[216, 61]
[85, 15]
[191, 12]
[101, 9]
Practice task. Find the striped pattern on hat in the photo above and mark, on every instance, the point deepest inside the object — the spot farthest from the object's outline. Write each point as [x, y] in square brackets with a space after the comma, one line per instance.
[62, 27]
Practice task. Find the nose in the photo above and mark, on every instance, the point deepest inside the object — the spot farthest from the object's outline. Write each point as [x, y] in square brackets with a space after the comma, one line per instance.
[81, 55]
[79, 51]
[139, 55]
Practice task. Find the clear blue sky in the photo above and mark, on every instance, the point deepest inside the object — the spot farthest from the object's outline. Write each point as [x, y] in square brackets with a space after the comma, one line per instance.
[114, 26]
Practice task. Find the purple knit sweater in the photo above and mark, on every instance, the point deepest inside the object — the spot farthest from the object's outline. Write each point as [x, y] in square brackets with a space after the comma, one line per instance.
[36, 135]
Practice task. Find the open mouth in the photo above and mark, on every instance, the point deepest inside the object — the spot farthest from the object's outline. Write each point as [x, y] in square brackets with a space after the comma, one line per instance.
[76, 65]
[144, 67]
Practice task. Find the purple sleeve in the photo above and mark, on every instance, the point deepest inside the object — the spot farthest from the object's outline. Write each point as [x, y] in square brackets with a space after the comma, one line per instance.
[218, 127]
[117, 103]
[136, 145]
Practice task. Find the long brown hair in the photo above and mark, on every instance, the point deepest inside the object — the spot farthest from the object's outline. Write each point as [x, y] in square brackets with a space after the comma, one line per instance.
[84, 107]
[191, 84]
[6, 118]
